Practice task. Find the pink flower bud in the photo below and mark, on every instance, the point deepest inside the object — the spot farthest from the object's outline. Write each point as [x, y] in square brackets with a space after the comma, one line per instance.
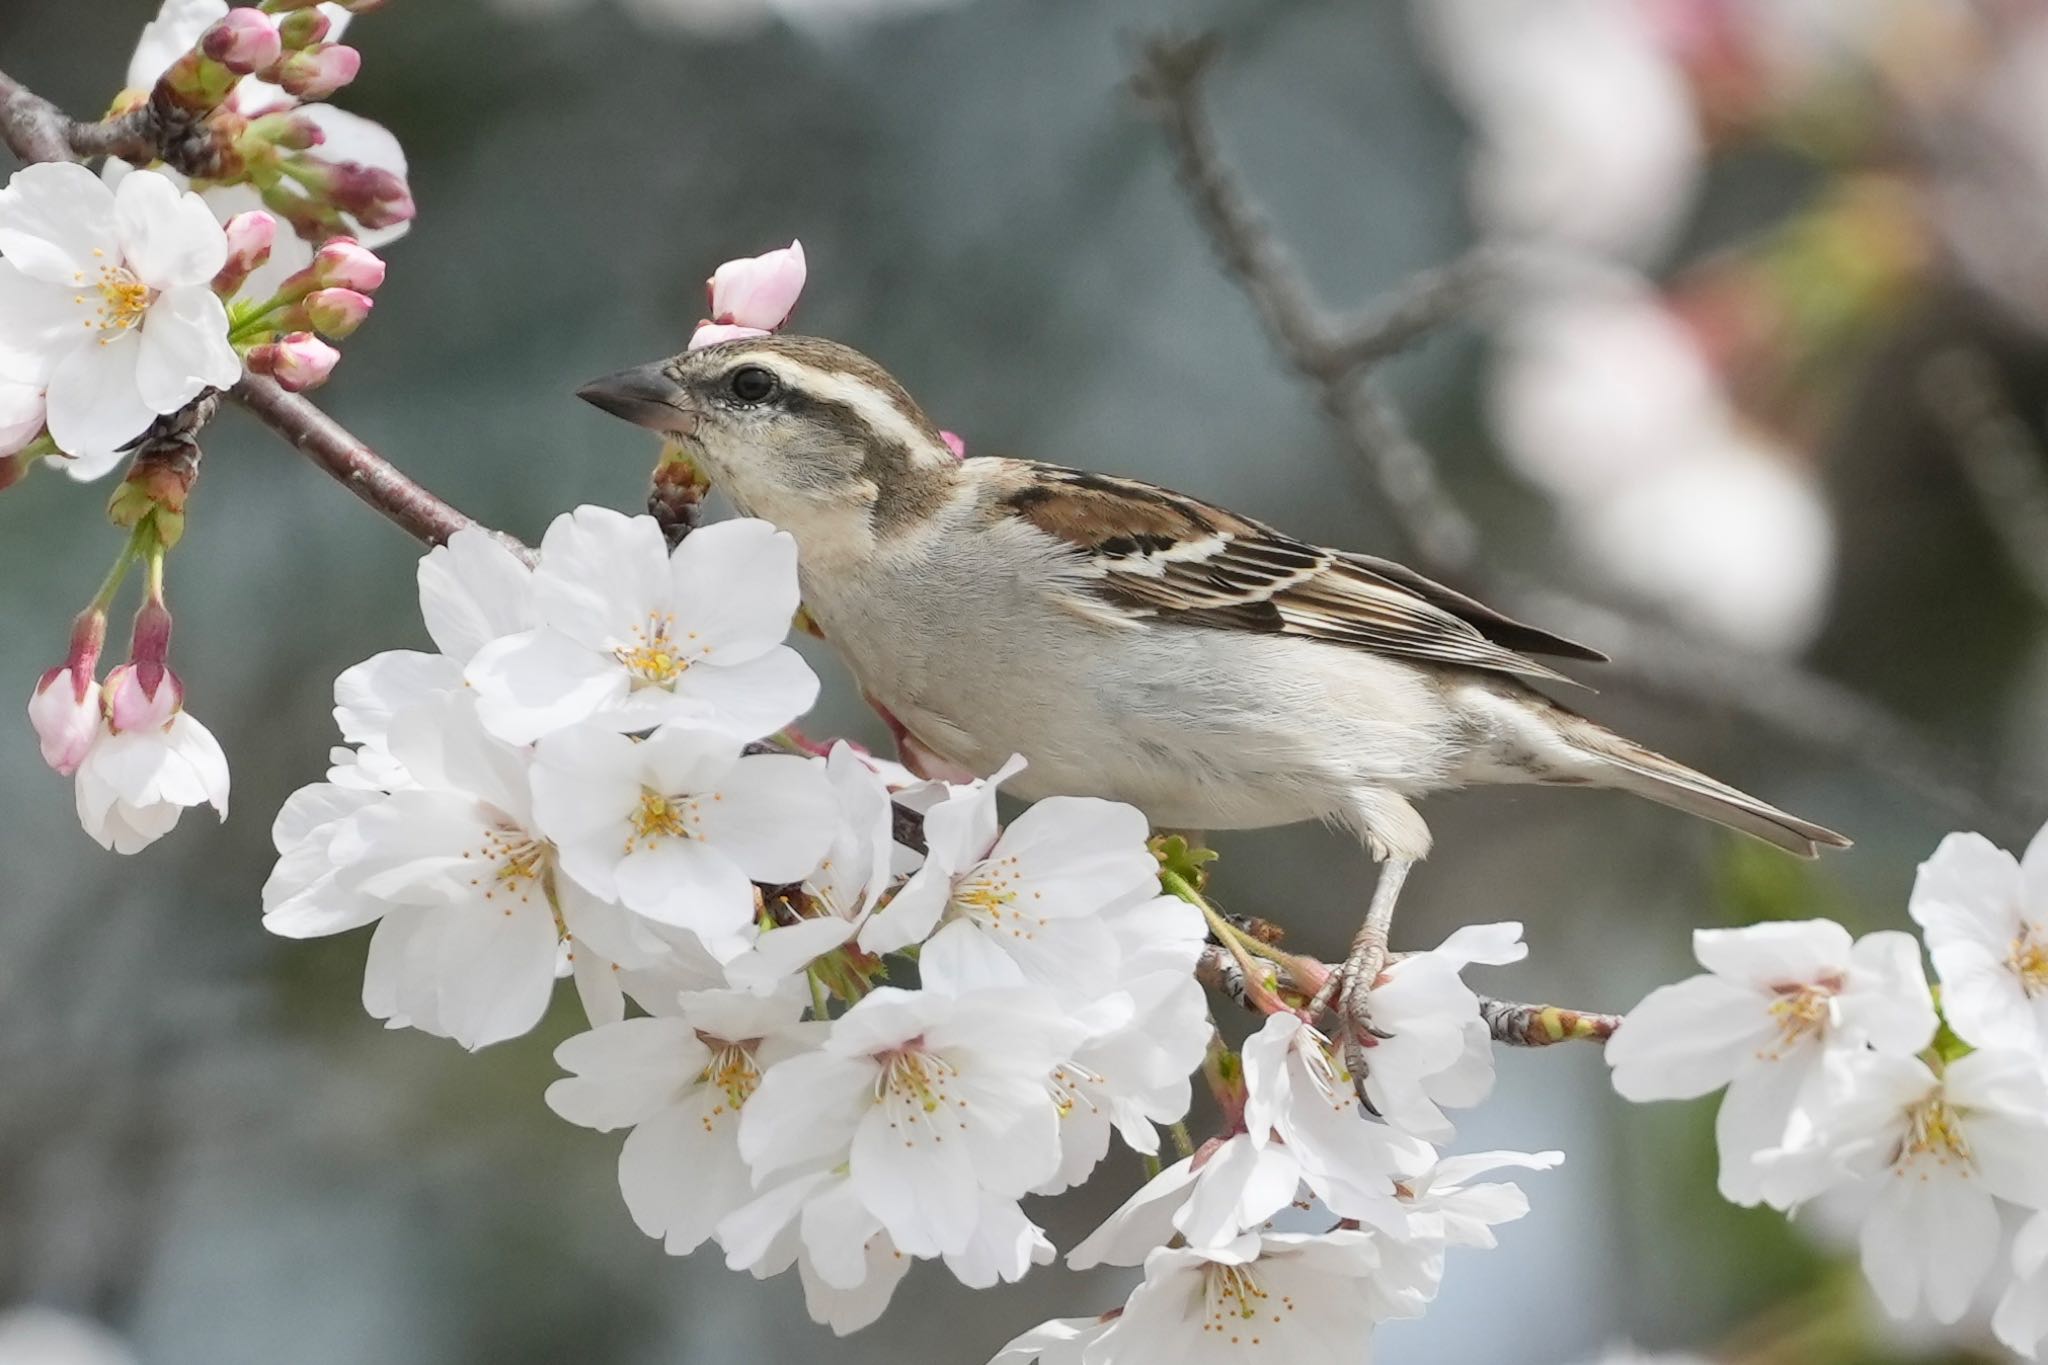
[297, 362]
[65, 708]
[303, 28]
[711, 333]
[758, 291]
[336, 313]
[65, 711]
[345, 263]
[244, 41]
[129, 704]
[374, 197]
[318, 72]
[250, 238]
[954, 444]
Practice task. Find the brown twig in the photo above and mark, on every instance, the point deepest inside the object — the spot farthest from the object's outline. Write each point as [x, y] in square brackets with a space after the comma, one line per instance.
[1444, 540]
[361, 470]
[37, 130]
[34, 128]
[1168, 81]
[2000, 458]
[1509, 1023]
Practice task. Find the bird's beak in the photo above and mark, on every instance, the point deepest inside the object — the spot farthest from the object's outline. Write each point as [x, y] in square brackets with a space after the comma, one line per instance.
[644, 396]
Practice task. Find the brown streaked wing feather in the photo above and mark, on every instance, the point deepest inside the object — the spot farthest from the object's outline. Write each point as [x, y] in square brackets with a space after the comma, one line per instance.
[1160, 554]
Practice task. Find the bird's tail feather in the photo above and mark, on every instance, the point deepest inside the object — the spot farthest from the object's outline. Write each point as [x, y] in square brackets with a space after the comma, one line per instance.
[1646, 773]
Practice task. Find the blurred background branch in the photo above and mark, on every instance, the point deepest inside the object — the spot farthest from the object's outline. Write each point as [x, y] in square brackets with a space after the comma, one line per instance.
[1446, 542]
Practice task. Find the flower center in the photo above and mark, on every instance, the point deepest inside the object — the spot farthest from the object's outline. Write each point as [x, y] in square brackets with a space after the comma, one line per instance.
[660, 816]
[732, 1069]
[516, 866]
[654, 656]
[122, 302]
[915, 1076]
[989, 894]
[1802, 1010]
[1238, 1306]
[1934, 1130]
[2029, 960]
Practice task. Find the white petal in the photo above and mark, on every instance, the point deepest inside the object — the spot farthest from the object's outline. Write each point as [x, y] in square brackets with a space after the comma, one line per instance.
[1753, 1118]
[474, 590]
[57, 223]
[680, 1172]
[540, 681]
[95, 407]
[40, 324]
[750, 699]
[625, 1072]
[601, 573]
[1779, 951]
[497, 971]
[689, 885]
[805, 1109]
[735, 583]
[184, 349]
[168, 235]
[21, 414]
[1685, 1039]
[1886, 1001]
[1970, 887]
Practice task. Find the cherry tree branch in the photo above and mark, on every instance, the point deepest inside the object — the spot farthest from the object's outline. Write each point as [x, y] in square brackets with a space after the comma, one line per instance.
[1509, 1023]
[1339, 364]
[36, 130]
[361, 470]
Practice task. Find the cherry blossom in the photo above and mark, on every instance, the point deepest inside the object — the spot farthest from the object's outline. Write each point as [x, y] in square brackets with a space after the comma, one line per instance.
[132, 785]
[678, 827]
[1928, 1154]
[635, 636]
[1290, 1296]
[1775, 1001]
[105, 298]
[679, 1082]
[1437, 1050]
[1985, 914]
[931, 1101]
[841, 891]
[1025, 905]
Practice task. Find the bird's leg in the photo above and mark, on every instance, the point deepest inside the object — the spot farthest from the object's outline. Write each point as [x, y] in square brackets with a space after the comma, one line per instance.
[1349, 988]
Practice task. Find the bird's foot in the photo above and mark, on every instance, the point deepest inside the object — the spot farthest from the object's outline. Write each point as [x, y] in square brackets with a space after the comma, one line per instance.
[1349, 999]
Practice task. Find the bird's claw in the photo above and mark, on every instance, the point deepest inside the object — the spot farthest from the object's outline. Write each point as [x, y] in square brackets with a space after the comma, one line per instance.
[1352, 1023]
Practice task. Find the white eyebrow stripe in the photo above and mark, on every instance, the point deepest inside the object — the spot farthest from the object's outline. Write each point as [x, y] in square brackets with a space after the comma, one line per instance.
[876, 410]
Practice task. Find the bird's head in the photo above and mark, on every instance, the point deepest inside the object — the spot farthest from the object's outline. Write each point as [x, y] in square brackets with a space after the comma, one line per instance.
[789, 426]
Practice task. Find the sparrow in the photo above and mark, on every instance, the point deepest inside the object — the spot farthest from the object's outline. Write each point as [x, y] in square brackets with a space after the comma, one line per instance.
[1138, 644]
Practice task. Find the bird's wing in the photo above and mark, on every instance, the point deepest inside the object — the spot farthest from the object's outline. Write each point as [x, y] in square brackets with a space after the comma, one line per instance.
[1148, 552]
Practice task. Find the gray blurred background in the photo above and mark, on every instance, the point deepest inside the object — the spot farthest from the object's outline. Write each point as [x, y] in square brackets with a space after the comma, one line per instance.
[206, 1144]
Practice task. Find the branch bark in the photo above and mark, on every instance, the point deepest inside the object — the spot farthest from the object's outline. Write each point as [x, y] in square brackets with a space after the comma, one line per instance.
[1509, 1023]
[408, 505]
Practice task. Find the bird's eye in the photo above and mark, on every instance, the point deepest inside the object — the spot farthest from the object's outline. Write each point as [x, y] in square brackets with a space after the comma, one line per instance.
[752, 384]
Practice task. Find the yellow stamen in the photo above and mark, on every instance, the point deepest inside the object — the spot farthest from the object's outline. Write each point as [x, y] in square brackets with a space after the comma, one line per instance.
[660, 816]
[124, 301]
[653, 656]
[1934, 1130]
[2029, 960]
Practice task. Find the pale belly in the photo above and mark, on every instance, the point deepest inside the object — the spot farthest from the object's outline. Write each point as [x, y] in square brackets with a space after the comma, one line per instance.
[1199, 729]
